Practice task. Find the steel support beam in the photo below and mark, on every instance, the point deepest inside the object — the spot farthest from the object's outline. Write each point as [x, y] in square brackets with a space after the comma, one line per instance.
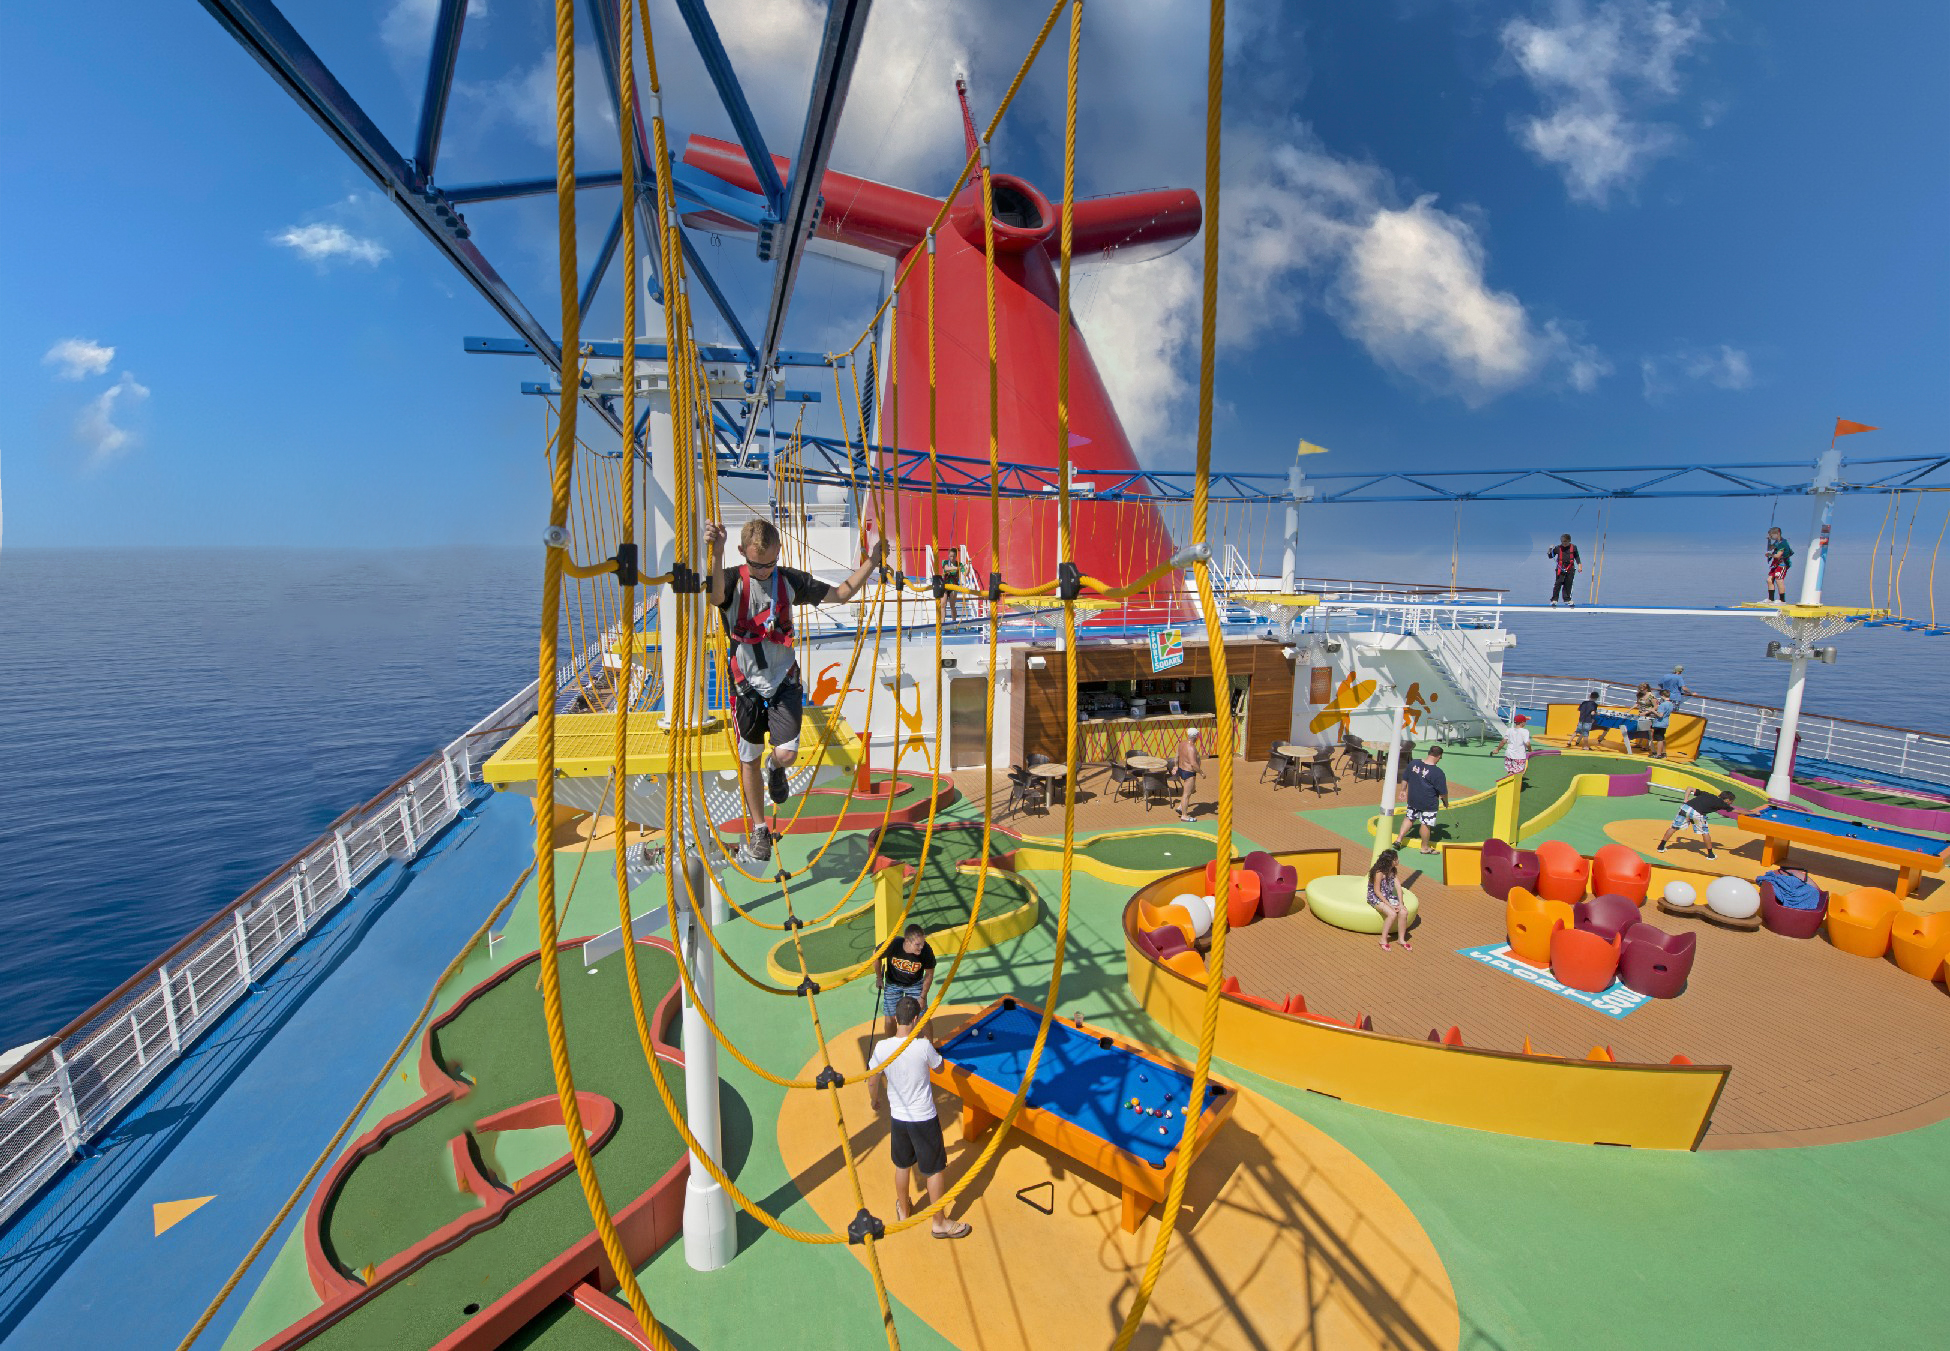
[604, 255]
[710, 48]
[839, 49]
[261, 29]
[440, 83]
[507, 189]
[645, 350]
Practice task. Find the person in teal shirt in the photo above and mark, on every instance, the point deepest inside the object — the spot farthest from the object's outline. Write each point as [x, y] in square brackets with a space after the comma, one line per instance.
[1780, 557]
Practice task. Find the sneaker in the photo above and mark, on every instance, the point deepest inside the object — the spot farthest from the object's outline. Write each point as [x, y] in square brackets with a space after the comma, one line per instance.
[1711, 854]
[757, 848]
[1659, 848]
[776, 784]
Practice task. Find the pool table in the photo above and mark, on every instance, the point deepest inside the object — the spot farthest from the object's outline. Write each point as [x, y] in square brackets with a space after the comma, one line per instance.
[1080, 1101]
[1912, 854]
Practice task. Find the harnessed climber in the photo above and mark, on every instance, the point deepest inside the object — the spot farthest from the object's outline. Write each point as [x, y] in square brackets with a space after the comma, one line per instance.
[756, 600]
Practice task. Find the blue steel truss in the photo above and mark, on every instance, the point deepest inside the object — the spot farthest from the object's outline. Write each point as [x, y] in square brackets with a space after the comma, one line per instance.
[261, 28]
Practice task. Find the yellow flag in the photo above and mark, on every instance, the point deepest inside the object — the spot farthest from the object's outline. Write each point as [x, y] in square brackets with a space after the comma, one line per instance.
[1309, 448]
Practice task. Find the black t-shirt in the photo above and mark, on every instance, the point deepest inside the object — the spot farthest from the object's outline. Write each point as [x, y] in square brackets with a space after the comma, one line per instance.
[1587, 710]
[1706, 803]
[1426, 785]
[902, 967]
[1566, 556]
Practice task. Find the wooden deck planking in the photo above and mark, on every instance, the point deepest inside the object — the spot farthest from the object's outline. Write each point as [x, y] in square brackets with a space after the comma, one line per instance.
[1823, 1045]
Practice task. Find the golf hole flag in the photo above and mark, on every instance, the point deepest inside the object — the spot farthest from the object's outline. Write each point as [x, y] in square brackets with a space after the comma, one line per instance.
[1167, 648]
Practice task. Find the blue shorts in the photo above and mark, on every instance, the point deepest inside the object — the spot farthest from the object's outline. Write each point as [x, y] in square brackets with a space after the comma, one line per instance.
[891, 995]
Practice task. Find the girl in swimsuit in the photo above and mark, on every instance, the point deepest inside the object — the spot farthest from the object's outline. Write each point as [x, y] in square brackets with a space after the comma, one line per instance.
[1385, 895]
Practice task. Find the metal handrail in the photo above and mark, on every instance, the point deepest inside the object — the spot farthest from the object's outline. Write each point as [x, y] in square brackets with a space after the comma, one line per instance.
[80, 1079]
[1877, 747]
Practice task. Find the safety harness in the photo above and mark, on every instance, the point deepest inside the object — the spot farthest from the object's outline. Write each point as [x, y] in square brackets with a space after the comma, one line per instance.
[756, 621]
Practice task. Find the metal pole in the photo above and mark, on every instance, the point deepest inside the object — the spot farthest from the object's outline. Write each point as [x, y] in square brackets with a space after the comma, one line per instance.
[1385, 837]
[661, 533]
[710, 1237]
[1780, 779]
[1290, 561]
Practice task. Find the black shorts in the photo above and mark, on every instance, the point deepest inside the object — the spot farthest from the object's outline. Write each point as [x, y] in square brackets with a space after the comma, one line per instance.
[917, 1144]
[780, 716]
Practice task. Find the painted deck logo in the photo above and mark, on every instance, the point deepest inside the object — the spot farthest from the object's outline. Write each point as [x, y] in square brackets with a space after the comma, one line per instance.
[1613, 1003]
[1167, 648]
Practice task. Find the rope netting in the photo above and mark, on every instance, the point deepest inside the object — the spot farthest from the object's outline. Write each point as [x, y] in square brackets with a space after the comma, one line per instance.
[594, 502]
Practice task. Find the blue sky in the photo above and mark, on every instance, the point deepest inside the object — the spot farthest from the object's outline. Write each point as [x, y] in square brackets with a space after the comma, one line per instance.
[1455, 234]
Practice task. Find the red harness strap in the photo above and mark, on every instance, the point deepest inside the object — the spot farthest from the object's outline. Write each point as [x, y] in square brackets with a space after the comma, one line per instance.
[753, 626]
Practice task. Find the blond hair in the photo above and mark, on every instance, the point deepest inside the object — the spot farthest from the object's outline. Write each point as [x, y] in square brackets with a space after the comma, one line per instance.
[758, 533]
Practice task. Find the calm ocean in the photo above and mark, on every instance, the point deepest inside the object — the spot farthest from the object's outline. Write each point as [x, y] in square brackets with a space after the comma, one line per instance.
[176, 723]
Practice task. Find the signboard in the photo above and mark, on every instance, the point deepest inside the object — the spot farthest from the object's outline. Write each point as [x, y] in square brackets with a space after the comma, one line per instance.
[1616, 1002]
[1167, 648]
[1320, 686]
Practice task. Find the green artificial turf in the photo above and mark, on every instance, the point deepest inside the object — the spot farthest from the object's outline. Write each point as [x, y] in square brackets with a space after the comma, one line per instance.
[498, 1044]
[1163, 851]
[1547, 1245]
[938, 904]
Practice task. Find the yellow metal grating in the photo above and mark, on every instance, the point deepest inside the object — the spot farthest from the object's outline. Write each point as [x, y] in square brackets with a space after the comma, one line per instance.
[585, 746]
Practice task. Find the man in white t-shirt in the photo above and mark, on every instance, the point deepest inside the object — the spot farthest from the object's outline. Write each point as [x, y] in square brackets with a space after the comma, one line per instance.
[916, 1133]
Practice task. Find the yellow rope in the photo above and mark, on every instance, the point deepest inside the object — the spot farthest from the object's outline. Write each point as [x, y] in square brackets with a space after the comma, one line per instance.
[1221, 682]
[1915, 504]
[1933, 553]
[1876, 548]
[558, 1047]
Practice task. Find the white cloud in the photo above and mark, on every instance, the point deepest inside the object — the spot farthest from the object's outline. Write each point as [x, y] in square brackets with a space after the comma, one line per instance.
[528, 98]
[1596, 72]
[407, 29]
[96, 428]
[324, 243]
[1721, 366]
[1303, 227]
[78, 357]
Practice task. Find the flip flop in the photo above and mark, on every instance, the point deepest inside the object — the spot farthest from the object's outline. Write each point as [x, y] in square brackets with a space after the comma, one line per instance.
[962, 1230]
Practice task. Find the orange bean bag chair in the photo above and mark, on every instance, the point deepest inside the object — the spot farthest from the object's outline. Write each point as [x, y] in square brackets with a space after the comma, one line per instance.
[1921, 942]
[1584, 960]
[1530, 921]
[1619, 871]
[1859, 923]
[1187, 963]
[1562, 871]
[1242, 903]
[1167, 917]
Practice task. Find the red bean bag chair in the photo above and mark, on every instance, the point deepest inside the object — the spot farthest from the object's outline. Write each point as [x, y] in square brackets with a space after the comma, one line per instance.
[1163, 942]
[1619, 871]
[1584, 960]
[1606, 916]
[1654, 962]
[1788, 921]
[1277, 883]
[1504, 867]
[1561, 871]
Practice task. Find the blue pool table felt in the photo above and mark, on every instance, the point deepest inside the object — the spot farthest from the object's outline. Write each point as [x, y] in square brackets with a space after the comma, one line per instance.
[1853, 830]
[1084, 1083]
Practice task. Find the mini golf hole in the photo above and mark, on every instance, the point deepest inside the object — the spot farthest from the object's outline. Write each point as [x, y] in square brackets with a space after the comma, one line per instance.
[471, 1309]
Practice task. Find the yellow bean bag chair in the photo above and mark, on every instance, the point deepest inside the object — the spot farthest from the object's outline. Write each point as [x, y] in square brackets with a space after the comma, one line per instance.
[1342, 901]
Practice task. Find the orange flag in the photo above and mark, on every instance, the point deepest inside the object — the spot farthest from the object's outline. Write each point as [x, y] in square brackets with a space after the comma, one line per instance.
[1843, 427]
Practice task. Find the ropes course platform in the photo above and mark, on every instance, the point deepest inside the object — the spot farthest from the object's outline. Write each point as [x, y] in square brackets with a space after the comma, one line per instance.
[585, 745]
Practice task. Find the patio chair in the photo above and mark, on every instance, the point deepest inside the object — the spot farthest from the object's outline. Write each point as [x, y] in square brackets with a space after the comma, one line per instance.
[1504, 867]
[1654, 962]
[1277, 883]
[1123, 780]
[1320, 774]
[1360, 760]
[1036, 760]
[1151, 786]
[1022, 790]
[1277, 765]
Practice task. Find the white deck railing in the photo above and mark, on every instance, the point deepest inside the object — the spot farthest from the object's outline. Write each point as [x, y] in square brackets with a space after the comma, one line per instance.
[1894, 751]
[79, 1080]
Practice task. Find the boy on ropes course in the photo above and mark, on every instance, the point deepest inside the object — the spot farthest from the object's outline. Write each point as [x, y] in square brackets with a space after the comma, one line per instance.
[756, 600]
[1569, 564]
[1780, 557]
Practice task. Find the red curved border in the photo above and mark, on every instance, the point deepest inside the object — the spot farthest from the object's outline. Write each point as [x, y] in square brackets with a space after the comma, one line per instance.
[645, 1223]
[945, 795]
